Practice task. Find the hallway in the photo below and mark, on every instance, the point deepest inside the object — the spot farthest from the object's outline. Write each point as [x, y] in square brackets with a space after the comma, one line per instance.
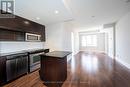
[85, 70]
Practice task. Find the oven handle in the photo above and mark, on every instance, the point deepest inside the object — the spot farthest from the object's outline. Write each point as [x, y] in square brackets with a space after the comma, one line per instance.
[36, 54]
[31, 57]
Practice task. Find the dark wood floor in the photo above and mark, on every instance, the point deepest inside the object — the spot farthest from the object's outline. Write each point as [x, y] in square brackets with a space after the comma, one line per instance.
[85, 70]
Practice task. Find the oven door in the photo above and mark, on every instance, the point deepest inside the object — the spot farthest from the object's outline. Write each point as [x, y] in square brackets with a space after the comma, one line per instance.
[34, 61]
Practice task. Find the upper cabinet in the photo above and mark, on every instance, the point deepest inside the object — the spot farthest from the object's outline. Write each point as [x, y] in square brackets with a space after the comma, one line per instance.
[17, 26]
[9, 35]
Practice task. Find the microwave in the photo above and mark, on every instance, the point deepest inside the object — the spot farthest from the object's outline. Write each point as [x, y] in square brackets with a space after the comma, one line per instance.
[33, 37]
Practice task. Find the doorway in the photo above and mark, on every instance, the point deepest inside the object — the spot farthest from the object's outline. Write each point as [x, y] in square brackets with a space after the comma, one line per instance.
[99, 41]
[109, 42]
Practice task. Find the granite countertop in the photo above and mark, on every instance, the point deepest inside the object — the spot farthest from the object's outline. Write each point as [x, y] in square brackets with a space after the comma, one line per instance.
[59, 54]
[16, 52]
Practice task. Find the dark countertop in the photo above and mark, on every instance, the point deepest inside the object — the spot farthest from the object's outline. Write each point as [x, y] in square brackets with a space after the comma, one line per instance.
[11, 53]
[22, 51]
[59, 54]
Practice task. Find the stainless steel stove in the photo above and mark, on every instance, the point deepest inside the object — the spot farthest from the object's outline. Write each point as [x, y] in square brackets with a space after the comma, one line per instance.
[34, 59]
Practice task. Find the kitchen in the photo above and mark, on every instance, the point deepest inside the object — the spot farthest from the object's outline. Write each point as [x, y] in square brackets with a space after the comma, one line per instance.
[16, 63]
[21, 47]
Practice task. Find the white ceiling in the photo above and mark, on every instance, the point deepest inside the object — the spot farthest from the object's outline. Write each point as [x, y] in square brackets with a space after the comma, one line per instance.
[44, 9]
[105, 11]
[80, 11]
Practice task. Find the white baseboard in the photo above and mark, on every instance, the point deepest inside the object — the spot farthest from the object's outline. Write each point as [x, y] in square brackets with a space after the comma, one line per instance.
[123, 63]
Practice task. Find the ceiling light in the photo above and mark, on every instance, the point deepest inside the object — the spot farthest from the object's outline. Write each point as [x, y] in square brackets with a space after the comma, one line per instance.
[56, 11]
[26, 22]
[37, 18]
[127, 1]
[93, 16]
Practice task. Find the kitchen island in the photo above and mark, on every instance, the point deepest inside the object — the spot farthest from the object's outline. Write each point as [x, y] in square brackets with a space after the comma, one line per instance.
[53, 69]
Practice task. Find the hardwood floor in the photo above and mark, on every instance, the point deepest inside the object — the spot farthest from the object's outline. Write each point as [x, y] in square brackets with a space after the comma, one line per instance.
[85, 70]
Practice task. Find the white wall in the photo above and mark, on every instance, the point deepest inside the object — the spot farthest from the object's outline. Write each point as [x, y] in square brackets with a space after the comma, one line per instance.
[101, 42]
[109, 41]
[6, 47]
[58, 37]
[67, 38]
[54, 37]
[76, 42]
[123, 40]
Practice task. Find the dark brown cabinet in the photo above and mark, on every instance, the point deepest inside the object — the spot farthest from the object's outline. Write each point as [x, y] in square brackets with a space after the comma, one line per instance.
[16, 65]
[28, 26]
[8, 23]
[17, 27]
[12, 67]
[54, 68]
[2, 70]
[8, 35]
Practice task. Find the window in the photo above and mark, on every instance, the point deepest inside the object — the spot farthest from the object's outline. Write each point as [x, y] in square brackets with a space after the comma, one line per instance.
[89, 40]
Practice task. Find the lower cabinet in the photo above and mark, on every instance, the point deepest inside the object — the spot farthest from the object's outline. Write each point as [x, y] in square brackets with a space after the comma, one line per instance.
[12, 67]
[22, 66]
[2, 70]
[16, 67]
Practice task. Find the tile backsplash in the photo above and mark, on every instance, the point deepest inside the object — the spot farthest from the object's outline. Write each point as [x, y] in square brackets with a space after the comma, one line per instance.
[6, 47]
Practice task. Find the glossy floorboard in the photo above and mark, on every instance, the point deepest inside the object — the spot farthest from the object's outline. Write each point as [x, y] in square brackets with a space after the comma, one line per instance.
[85, 70]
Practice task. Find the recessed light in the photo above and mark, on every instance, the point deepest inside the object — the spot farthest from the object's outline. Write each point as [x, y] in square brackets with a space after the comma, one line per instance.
[37, 18]
[93, 16]
[56, 11]
[26, 22]
[127, 1]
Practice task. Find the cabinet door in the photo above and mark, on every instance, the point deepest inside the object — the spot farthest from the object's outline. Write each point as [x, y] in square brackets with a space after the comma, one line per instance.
[19, 36]
[28, 26]
[22, 25]
[8, 35]
[11, 67]
[42, 33]
[22, 65]
[2, 70]
[8, 23]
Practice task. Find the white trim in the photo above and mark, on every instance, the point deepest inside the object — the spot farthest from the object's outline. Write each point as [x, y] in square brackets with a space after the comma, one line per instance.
[122, 62]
